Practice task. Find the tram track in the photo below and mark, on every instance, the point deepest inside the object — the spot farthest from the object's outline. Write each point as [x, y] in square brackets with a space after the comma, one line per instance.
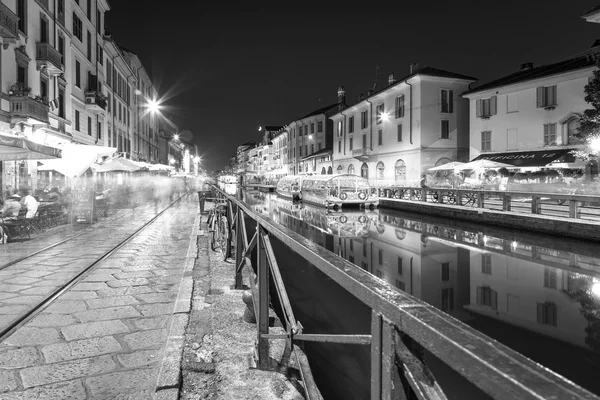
[35, 309]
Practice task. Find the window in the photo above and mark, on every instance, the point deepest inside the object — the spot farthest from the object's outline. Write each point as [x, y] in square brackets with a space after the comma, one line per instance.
[399, 266]
[351, 172]
[312, 127]
[89, 9]
[380, 170]
[550, 278]
[486, 141]
[22, 14]
[485, 108]
[364, 144]
[364, 171]
[380, 137]
[380, 109]
[43, 29]
[351, 144]
[380, 256]
[61, 48]
[340, 128]
[43, 88]
[77, 28]
[99, 130]
[399, 132]
[320, 126]
[306, 149]
[89, 126]
[351, 124]
[77, 74]
[399, 107]
[445, 129]
[512, 103]
[400, 170]
[364, 122]
[99, 54]
[61, 103]
[400, 285]
[547, 313]
[487, 297]
[549, 134]
[572, 127]
[445, 272]
[89, 45]
[99, 21]
[22, 75]
[312, 148]
[76, 120]
[340, 146]
[447, 299]
[486, 264]
[447, 101]
[546, 96]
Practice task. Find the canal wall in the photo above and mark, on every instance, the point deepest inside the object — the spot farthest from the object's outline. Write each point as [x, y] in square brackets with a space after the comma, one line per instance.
[573, 228]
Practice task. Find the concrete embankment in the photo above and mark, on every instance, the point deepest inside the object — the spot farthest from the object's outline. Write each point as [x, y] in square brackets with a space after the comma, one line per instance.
[556, 226]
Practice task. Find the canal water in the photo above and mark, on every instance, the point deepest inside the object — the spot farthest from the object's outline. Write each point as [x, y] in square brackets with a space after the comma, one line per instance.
[537, 294]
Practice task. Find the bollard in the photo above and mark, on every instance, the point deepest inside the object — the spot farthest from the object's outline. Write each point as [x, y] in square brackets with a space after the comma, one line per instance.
[201, 199]
[249, 315]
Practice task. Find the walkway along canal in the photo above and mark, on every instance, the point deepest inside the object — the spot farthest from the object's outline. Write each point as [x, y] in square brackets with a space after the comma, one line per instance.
[401, 287]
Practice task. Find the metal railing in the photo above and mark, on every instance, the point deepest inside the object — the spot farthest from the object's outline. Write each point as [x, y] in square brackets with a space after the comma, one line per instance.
[575, 206]
[8, 22]
[402, 326]
[26, 107]
[46, 53]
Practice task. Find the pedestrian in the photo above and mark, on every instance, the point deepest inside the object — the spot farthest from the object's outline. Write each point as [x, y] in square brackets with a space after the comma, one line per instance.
[29, 202]
[11, 207]
[424, 181]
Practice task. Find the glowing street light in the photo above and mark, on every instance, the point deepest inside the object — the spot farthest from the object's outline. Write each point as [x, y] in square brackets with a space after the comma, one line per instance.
[385, 116]
[595, 145]
[310, 137]
[176, 136]
[153, 106]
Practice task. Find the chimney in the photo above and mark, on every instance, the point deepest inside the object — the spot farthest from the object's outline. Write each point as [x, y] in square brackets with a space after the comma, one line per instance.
[414, 67]
[360, 96]
[391, 79]
[341, 94]
[526, 66]
[369, 92]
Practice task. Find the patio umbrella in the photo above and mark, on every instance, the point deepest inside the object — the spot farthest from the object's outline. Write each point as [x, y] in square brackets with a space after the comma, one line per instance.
[76, 159]
[447, 167]
[483, 164]
[119, 165]
[16, 148]
[160, 167]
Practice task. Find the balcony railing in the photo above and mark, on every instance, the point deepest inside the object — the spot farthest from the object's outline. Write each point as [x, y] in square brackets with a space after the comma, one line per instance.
[361, 154]
[47, 57]
[94, 101]
[8, 23]
[23, 108]
[43, 3]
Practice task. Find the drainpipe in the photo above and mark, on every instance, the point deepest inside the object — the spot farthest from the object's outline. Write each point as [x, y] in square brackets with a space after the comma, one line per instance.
[410, 109]
[113, 109]
[344, 130]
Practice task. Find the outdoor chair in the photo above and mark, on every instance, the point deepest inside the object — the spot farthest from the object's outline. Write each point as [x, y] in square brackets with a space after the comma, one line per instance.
[18, 225]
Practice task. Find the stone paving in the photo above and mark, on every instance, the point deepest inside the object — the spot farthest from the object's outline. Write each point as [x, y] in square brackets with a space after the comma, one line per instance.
[108, 336]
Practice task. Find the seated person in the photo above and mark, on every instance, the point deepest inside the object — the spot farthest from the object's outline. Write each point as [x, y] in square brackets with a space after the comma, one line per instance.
[11, 207]
[30, 203]
[54, 195]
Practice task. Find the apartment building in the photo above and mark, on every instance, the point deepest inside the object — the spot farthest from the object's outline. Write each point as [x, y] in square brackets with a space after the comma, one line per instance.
[530, 118]
[309, 141]
[398, 132]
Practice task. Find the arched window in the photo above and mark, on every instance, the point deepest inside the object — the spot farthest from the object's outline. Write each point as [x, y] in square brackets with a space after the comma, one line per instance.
[380, 170]
[323, 171]
[442, 161]
[330, 171]
[364, 171]
[400, 171]
[340, 169]
[351, 169]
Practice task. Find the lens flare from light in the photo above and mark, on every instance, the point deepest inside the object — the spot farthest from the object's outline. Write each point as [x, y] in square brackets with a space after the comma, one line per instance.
[153, 106]
[596, 288]
[385, 116]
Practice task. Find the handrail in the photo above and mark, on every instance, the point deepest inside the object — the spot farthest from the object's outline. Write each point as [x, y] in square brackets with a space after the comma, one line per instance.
[493, 367]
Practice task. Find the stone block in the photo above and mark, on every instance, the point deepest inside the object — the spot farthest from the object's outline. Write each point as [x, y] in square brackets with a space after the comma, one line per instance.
[146, 339]
[94, 329]
[66, 371]
[120, 383]
[108, 313]
[80, 349]
[18, 358]
[29, 336]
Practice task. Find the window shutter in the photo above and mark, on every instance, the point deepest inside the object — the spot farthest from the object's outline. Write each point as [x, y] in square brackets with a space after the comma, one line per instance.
[493, 107]
[494, 299]
[478, 108]
[450, 101]
[553, 94]
[479, 291]
[402, 106]
[540, 97]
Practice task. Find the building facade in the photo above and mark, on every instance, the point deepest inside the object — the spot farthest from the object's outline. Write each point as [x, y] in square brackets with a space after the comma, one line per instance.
[395, 134]
[531, 117]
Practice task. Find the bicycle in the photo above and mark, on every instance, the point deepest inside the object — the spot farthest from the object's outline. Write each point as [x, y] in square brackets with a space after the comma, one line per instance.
[218, 226]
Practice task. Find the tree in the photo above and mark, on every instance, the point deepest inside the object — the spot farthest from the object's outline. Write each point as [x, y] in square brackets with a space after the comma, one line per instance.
[589, 128]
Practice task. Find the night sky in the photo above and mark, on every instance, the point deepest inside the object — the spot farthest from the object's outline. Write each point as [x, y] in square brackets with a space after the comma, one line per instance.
[229, 70]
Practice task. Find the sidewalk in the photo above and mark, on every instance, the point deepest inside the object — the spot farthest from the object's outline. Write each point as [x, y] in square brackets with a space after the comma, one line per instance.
[218, 342]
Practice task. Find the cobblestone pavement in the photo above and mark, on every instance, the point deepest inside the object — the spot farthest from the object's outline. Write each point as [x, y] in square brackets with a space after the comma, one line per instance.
[108, 336]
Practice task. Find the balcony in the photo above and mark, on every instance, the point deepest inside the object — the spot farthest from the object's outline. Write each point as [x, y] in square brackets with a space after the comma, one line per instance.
[361, 154]
[8, 25]
[25, 109]
[48, 58]
[95, 102]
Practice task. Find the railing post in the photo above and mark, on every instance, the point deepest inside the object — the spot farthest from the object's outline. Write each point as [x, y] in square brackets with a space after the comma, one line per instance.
[480, 199]
[459, 197]
[238, 247]
[385, 377]
[376, 323]
[505, 202]
[573, 209]
[263, 301]
[424, 194]
[536, 207]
